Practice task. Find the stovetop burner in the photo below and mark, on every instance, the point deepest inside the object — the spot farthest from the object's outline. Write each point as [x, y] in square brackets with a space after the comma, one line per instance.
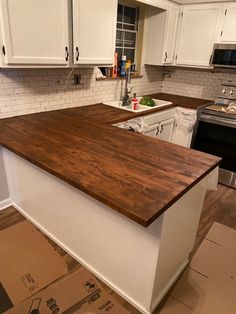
[227, 109]
[225, 104]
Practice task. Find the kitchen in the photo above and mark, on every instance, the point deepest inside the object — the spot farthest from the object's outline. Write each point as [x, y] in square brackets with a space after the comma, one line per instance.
[39, 75]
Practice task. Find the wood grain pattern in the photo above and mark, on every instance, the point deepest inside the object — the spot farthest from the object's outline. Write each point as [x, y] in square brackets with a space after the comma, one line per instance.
[138, 176]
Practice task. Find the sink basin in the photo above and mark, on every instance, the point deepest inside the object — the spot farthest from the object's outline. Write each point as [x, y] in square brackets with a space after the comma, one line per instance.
[118, 104]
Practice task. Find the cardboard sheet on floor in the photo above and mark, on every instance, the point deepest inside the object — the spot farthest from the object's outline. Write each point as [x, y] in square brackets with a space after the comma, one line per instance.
[28, 263]
[204, 295]
[79, 293]
[222, 235]
[215, 262]
[173, 306]
[209, 285]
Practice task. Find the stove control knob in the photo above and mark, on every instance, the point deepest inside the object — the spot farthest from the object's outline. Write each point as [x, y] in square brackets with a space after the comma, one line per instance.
[232, 92]
[224, 91]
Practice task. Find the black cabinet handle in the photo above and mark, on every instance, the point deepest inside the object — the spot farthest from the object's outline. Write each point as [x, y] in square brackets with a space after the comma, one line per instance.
[166, 55]
[66, 53]
[161, 129]
[77, 53]
[157, 132]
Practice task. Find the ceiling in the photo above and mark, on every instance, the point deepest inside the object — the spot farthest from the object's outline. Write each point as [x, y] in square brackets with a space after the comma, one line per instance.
[199, 1]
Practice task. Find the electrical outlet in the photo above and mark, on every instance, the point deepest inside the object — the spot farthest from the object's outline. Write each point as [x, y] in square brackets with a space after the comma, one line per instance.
[77, 79]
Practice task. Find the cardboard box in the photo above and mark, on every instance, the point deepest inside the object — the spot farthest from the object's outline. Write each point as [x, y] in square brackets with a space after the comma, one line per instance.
[209, 285]
[204, 295]
[173, 306]
[79, 293]
[215, 262]
[222, 235]
[28, 263]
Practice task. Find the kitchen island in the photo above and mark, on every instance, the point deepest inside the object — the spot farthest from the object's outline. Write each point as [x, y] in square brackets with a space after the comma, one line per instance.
[124, 205]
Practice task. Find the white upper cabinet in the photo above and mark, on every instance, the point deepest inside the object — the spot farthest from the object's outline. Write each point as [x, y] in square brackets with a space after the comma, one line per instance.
[199, 26]
[94, 31]
[170, 35]
[34, 32]
[160, 34]
[161, 4]
[228, 31]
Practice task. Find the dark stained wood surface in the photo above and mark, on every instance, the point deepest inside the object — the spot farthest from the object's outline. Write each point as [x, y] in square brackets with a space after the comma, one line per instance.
[138, 176]
[108, 114]
[182, 101]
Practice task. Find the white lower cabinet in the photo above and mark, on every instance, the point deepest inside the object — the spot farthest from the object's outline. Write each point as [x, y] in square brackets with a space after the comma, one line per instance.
[160, 124]
[173, 125]
[185, 120]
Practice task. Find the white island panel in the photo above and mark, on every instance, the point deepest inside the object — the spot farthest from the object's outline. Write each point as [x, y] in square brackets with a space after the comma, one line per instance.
[139, 263]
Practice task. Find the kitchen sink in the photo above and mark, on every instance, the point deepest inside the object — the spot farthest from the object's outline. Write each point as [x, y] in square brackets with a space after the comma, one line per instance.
[118, 104]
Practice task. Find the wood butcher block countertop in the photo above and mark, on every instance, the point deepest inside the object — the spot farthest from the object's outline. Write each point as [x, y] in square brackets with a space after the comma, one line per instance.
[136, 175]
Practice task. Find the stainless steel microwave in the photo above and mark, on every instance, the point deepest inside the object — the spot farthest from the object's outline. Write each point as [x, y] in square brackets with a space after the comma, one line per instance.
[224, 55]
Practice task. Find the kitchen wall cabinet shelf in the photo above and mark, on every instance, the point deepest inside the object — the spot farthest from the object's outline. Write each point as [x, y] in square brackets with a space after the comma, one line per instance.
[32, 35]
[41, 33]
[197, 34]
[184, 35]
[94, 31]
[160, 45]
[228, 26]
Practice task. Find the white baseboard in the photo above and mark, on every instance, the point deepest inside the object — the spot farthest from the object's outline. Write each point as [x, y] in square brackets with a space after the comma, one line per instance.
[6, 203]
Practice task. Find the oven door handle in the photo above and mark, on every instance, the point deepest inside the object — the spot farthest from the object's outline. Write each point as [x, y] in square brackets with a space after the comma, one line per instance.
[218, 120]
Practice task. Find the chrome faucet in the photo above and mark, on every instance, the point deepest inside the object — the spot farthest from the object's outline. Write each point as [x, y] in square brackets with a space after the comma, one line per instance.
[126, 101]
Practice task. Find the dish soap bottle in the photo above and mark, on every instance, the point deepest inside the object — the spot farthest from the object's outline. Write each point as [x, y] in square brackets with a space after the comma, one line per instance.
[122, 66]
[134, 101]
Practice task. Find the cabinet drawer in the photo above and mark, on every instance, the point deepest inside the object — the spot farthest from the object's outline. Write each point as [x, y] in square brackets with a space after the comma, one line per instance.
[159, 116]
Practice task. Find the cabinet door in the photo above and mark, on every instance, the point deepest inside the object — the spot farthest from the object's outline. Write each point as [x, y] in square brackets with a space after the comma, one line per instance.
[35, 32]
[199, 26]
[166, 130]
[94, 31]
[170, 35]
[152, 132]
[228, 33]
[181, 136]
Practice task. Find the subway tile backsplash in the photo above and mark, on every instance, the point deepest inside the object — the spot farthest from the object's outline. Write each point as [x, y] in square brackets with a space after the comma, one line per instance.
[196, 82]
[24, 91]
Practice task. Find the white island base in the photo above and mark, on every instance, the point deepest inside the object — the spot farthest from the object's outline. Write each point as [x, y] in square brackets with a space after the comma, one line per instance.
[138, 263]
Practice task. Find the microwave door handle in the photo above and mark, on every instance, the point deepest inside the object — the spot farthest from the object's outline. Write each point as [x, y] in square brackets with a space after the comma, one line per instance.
[218, 120]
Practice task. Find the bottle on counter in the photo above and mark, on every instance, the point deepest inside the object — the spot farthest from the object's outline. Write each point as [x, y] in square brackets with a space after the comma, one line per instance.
[122, 66]
[128, 65]
[134, 102]
[115, 65]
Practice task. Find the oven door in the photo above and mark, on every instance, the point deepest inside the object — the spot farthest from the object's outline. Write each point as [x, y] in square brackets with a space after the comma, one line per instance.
[217, 136]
